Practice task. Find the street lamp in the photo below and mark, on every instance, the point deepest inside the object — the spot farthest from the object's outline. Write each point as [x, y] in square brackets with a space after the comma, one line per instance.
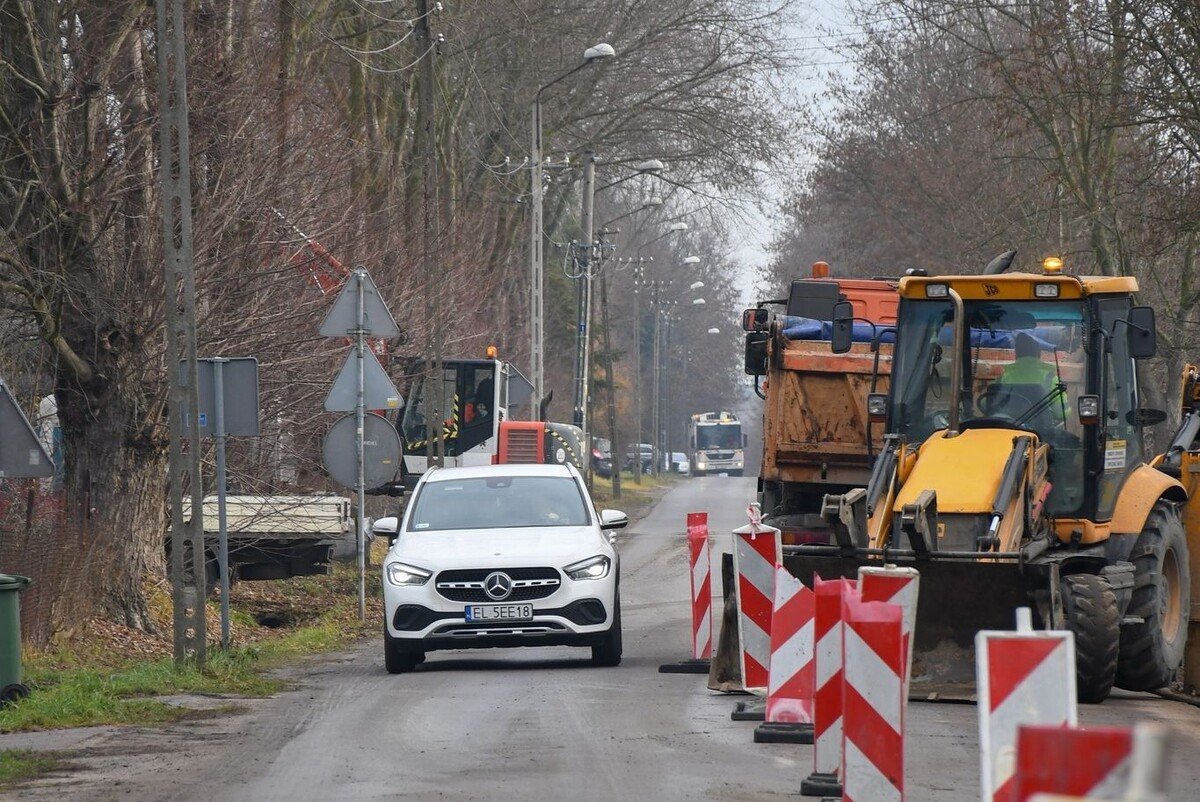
[593, 54]
[691, 260]
[714, 330]
[697, 285]
[699, 302]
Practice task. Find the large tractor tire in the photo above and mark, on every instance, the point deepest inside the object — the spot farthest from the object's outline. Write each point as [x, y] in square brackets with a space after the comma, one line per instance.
[1090, 610]
[1152, 650]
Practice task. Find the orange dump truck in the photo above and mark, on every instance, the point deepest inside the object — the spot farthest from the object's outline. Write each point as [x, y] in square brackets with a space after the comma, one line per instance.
[818, 437]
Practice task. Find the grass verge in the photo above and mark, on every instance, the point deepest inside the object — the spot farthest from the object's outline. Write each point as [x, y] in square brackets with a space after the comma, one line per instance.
[636, 499]
[18, 766]
[108, 675]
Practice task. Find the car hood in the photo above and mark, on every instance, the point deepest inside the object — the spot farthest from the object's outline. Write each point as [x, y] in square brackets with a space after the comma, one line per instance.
[499, 548]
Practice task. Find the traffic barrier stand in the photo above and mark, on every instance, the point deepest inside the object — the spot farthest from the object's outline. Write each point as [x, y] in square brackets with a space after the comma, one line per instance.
[700, 563]
[1024, 677]
[874, 701]
[898, 586]
[756, 552]
[827, 695]
[789, 708]
[1091, 762]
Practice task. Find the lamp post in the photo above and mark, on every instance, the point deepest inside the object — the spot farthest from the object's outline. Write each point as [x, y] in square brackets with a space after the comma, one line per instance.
[536, 268]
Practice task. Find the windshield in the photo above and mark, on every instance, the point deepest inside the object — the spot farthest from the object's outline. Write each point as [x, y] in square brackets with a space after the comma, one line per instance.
[719, 436]
[1024, 367]
[498, 502]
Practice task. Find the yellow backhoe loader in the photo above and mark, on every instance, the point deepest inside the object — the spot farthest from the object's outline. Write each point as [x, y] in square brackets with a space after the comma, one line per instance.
[1012, 475]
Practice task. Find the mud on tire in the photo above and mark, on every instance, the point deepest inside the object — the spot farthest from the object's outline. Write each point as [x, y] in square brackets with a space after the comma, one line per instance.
[1090, 610]
[1151, 651]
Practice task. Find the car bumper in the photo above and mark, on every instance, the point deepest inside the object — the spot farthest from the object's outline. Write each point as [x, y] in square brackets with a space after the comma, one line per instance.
[420, 619]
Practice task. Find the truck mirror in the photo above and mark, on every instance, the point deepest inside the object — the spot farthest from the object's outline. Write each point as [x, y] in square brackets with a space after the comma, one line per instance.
[1143, 336]
[843, 327]
[756, 353]
[754, 319]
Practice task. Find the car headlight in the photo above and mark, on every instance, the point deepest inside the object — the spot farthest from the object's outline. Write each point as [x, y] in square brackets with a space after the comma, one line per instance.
[401, 574]
[591, 568]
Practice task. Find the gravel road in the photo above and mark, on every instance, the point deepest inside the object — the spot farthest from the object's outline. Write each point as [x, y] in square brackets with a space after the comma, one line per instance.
[536, 723]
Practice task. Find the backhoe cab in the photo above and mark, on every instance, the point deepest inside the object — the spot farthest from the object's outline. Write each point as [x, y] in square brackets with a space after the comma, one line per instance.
[1012, 475]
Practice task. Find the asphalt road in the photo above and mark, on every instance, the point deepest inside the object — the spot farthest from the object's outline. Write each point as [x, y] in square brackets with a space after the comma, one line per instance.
[514, 724]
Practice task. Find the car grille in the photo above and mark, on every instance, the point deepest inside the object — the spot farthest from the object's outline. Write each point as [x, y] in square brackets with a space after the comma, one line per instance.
[466, 585]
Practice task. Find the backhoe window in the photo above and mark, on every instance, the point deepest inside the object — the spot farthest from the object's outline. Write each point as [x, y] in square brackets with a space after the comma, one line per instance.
[1024, 366]
[438, 405]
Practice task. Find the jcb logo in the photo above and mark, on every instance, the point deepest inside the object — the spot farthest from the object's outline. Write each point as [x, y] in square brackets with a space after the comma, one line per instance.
[990, 289]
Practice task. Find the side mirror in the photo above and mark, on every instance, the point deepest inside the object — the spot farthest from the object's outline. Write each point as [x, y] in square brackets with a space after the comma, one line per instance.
[756, 353]
[1143, 336]
[755, 319]
[745, 440]
[613, 519]
[843, 327]
[386, 527]
[391, 489]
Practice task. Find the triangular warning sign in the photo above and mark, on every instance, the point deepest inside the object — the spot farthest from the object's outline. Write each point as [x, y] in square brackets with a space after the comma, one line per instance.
[378, 390]
[22, 455]
[343, 317]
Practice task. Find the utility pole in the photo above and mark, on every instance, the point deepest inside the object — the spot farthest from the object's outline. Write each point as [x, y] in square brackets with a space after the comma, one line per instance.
[426, 137]
[536, 274]
[175, 177]
[637, 367]
[656, 375]
[583, 377]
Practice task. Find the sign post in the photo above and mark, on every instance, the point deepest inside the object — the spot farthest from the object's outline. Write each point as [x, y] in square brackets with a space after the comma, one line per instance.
[359, 312]
[228, 394]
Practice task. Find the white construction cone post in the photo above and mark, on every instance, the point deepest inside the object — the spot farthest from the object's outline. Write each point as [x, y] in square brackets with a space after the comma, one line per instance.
[700, 565]
[756, 551]
[827, 696]
[789, 712]
[1024, 677]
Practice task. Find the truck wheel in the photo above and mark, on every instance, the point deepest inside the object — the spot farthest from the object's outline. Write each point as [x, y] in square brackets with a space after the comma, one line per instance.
[1090, 610]
[1151, 651]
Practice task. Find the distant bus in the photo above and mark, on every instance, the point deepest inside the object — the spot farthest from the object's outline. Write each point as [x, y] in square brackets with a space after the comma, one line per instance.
[716, 444]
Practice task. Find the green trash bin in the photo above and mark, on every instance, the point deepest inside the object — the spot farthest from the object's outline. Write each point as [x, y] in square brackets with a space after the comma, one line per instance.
[11, 688]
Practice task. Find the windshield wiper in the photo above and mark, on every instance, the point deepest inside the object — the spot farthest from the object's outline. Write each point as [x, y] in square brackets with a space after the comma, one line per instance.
[1056, 392]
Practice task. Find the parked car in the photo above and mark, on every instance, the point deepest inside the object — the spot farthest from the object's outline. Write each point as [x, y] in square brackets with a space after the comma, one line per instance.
[601, 457]
[501, 555]
[646, 450]
[677, 463]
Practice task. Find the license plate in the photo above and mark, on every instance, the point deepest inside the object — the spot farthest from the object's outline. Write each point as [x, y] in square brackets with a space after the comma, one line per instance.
[499, 612]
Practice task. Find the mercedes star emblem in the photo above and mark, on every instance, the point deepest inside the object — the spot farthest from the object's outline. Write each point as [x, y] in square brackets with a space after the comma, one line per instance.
[498, 585]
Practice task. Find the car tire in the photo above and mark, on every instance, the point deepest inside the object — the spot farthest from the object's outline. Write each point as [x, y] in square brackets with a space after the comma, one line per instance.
[396, 660]
[608, 651]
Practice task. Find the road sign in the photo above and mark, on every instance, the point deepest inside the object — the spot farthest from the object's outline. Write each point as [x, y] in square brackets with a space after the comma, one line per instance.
[381, 451]
[378, 390]
[342, 319]
[22, 455]
[240, 381]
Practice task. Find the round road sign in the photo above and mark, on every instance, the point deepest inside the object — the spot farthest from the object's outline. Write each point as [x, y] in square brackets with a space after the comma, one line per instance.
[381, 451]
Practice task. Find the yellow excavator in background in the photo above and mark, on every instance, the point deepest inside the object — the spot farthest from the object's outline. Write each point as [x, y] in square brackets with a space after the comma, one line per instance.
[1012, 474]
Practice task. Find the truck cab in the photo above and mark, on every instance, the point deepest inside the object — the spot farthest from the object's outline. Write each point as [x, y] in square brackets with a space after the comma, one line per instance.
[468, 405]
[717, 444]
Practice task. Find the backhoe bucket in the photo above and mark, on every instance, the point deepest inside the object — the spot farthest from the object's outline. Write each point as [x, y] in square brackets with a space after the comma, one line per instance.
[958, 598]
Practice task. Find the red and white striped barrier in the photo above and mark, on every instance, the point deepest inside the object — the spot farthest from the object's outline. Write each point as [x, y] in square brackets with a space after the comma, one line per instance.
[756, 552]
[827, 696]
[700, 575]
[1093, 762]
[1147, 777]
[1024, 677]
[873, 703]
[789, 712]
[898, 586]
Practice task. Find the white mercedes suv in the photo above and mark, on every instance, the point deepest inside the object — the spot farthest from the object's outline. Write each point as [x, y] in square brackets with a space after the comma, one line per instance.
[500, 555]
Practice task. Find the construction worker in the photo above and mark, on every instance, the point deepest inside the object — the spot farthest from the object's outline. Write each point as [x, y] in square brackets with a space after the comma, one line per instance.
[480, 406]
[1028, 371]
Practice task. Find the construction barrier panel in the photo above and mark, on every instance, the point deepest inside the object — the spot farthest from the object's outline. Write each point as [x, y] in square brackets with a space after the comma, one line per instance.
[700, 573]
[827, 696]
[873, 701]
[898, 586]
[1024, 677]
[789, 709]
[756, 552]
[1147, 774]
[1092, 762]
